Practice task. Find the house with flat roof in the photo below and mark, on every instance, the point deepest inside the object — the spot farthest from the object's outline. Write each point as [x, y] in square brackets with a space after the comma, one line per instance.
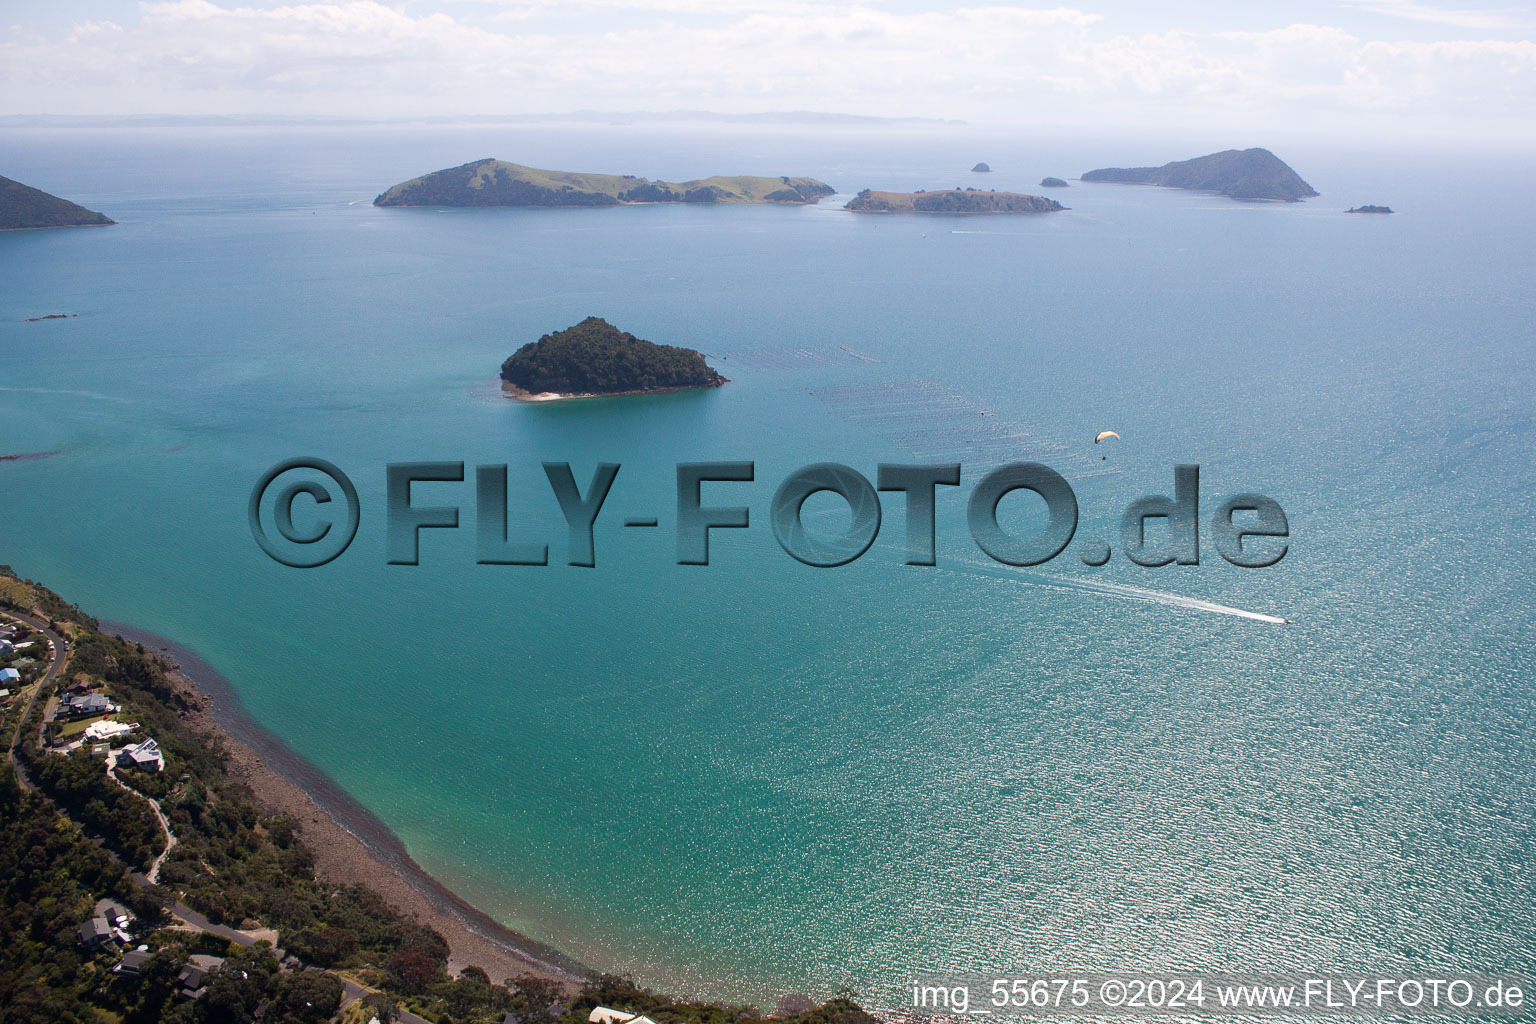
[146, 757]
[106, 730]
[604, 1015]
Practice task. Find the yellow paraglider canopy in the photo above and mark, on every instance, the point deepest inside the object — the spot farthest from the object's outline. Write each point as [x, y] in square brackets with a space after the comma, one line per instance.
[1104, 434]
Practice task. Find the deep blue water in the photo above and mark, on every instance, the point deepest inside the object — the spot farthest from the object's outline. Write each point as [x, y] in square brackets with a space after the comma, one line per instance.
[757, 776]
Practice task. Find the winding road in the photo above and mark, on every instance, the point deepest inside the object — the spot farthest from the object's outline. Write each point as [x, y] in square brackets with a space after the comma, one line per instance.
[60, 655]
[351, 990]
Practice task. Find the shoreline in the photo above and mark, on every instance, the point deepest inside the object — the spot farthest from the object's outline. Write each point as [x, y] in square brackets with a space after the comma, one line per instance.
[519, 394]
[349, 843]
[61, 227]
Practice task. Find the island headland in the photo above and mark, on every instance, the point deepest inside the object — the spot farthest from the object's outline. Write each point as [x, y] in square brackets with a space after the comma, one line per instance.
[595, 359]
[955, 200]
[1236, 173]
[24, 208]
[499, 183]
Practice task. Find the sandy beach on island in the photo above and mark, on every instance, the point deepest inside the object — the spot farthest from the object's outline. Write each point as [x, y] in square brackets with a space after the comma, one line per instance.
[513, 391]
[349, 844]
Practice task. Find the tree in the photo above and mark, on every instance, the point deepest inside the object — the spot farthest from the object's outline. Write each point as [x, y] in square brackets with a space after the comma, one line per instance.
[412, 969]
[303, 997]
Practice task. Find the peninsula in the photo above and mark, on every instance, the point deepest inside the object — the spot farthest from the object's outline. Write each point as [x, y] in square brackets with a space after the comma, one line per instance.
[954, 200]
[1238, 174]
[499, 183]
[159, 869]
[24, 208]
[595, 358]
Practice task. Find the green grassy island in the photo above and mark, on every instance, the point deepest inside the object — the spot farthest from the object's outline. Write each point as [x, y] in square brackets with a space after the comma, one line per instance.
[955, 200]
[499, 183]
[1239, 174]
[596, 358]
[23, 208]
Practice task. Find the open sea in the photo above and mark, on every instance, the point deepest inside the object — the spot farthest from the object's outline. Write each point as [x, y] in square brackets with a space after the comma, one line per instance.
[758, 777]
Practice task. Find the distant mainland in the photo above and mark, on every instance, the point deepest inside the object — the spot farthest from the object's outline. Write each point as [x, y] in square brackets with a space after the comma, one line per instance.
[24, 208]
[1237, 173]
[499, 183]
[955, 200]
[595, 358]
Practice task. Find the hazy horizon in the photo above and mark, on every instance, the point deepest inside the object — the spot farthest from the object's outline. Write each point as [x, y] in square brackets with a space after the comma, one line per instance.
[1382, 68]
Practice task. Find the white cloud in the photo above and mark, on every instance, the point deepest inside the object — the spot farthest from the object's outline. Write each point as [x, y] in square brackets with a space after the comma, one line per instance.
[1459, 17]
[997, 62]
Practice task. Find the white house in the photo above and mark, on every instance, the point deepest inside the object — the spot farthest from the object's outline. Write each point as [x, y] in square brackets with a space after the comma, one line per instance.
[9, 677]
[105, 730]
[603, 1015]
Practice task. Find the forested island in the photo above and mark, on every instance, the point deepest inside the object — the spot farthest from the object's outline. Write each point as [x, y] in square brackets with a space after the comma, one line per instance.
[1369, 209]
[1239, 174]
[23, 208]
[499, 183]
[596, 358]
[1053, 183]
[176, 895]
[955, 200]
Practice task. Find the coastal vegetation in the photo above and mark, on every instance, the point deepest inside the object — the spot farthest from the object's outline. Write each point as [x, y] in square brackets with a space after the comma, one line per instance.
[956, 200]
[1240, 174]
[499, 183]
[596, 358]
[346, 953]
[23, 207]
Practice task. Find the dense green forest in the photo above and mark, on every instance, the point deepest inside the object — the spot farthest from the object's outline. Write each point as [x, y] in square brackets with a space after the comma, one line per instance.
[595, 357]
[22, 206]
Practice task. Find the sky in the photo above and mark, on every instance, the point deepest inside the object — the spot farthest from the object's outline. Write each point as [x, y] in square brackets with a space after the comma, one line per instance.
[1411, 67]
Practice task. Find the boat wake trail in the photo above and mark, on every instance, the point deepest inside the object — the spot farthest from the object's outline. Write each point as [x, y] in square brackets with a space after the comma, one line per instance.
[1125, 593]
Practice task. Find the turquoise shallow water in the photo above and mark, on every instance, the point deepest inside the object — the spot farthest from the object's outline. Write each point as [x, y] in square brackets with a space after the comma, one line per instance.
[757, 777]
